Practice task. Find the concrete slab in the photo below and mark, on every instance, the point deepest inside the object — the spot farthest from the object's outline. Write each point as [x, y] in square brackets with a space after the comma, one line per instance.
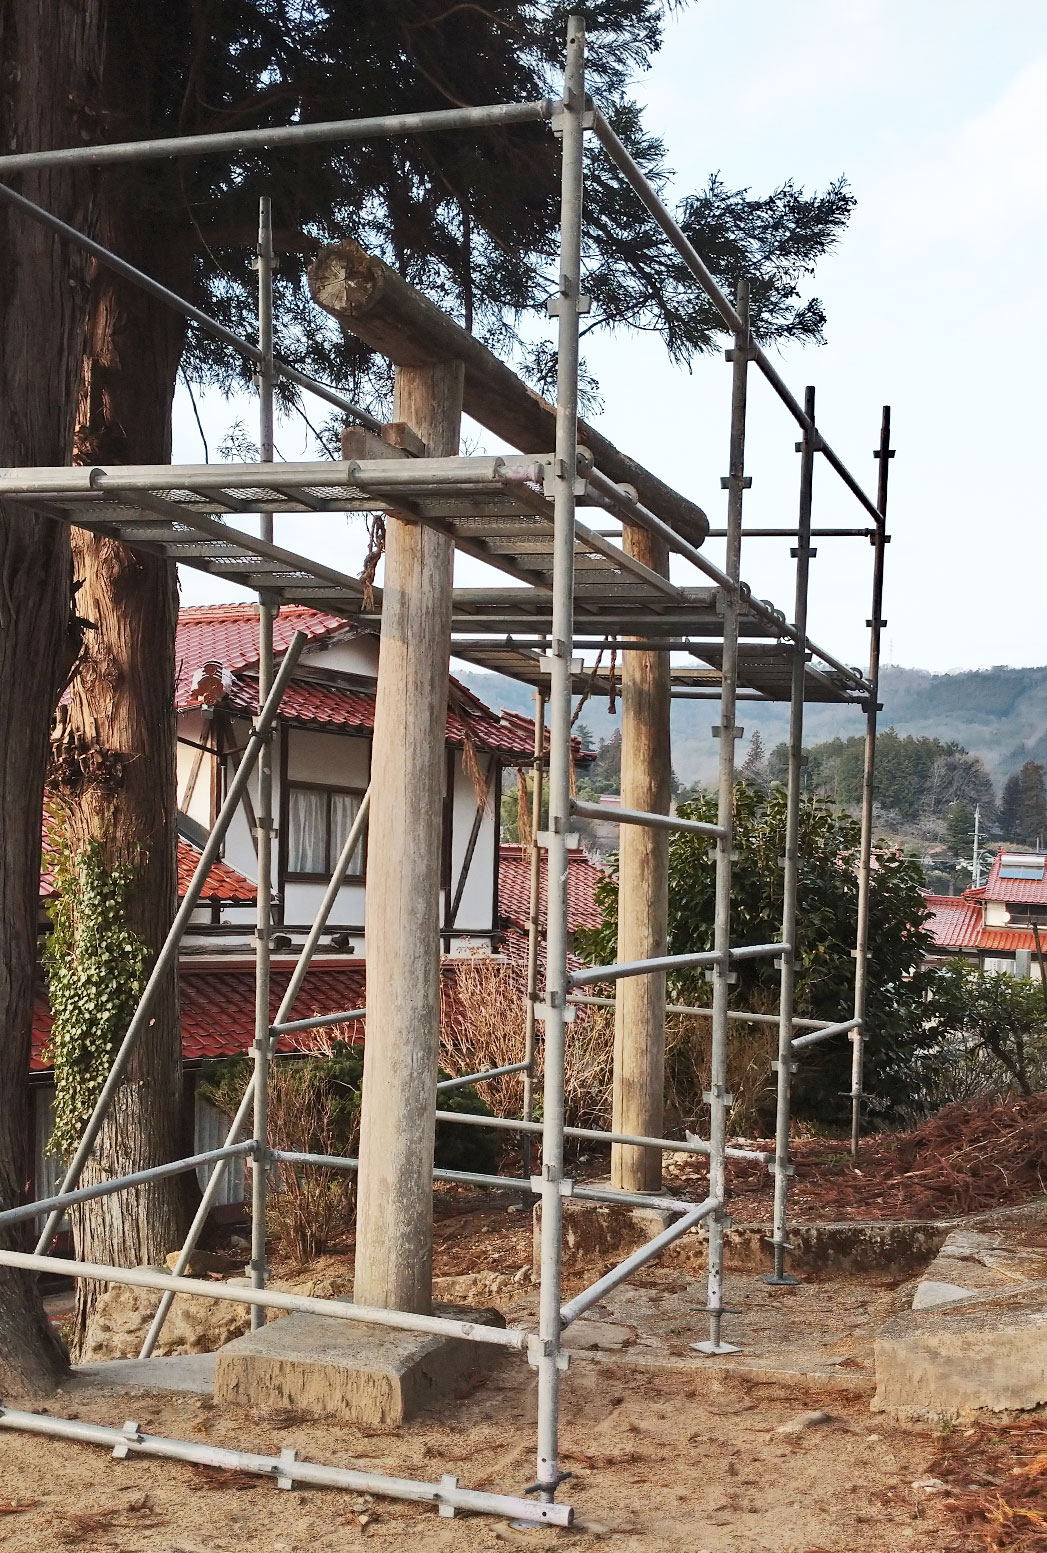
[193, 1372]
[853, 1249]
[599, 1336]
[363, 1374]
[984, 1353]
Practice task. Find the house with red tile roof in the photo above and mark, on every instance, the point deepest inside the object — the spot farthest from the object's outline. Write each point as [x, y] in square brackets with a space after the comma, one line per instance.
[322, 756]
[997, 924]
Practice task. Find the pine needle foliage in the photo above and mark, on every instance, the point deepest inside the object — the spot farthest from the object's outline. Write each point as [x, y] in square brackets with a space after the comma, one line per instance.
[470, 218]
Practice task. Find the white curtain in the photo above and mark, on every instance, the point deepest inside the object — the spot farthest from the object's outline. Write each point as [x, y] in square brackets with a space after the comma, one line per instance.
[307, 831]
[344, 809]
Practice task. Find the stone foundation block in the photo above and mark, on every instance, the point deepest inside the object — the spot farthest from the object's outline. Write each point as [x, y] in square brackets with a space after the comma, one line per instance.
[364, 1374]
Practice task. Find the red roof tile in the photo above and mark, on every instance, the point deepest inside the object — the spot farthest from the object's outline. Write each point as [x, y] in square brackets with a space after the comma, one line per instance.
[217, 1006]
[1005, 938]
[1032, 892]
[312, 705]
[514, 889]
[224, 883]
[227, 634]
[954, 921]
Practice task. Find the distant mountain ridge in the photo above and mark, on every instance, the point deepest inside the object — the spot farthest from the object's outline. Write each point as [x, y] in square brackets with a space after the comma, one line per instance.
[998, 713]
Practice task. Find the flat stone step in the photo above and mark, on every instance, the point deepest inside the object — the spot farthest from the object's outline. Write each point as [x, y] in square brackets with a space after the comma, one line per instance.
[179, 1372]
[983, 1353]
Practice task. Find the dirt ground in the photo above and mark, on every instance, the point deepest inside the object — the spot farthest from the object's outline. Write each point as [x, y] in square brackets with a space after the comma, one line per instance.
[667, 1450]
[659, 1460]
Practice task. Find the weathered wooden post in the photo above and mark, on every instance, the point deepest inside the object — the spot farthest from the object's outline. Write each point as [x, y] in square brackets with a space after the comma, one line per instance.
[395, 1193]
[643, 900]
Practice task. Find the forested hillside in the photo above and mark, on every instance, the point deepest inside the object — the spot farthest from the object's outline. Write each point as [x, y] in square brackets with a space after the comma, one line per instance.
[999, 714]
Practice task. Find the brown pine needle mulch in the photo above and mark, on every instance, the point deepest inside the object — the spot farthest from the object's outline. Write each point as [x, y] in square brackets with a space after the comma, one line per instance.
[994, 1487]
[969, 1158]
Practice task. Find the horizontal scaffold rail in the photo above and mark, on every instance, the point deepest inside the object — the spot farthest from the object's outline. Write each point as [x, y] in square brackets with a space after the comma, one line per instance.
[317, 1022]
[62, 1200]
[268, 1299]
[286, 1470]
[815, 1036]
[618, 816]
[526, 1184]
[277, 136]
[671, 962]
[740, 1016]
[598, 1135]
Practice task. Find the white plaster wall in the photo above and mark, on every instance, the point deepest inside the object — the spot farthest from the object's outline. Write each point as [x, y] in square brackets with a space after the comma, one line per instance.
[357, 655]
[193, 725]
[996, 914]
[335, 758]
[477, 907]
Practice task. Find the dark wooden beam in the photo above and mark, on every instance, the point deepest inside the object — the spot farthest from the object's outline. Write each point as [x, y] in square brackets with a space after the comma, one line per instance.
[371, 301]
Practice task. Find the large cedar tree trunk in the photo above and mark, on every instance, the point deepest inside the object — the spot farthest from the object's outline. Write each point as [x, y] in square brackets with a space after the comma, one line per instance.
[115, 762]
[121, 716]
[49, 66]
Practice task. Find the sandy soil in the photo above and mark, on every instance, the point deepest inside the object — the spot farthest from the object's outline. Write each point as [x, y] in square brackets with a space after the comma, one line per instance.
[668, 1451]
[661, 1459]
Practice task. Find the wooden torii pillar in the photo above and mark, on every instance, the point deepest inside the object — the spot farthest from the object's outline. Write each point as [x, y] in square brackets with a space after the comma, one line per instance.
[393, 1243]
[643, 901]
[394, 1215]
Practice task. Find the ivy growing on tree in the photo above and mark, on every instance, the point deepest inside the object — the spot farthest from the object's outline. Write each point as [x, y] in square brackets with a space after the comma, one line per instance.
[94, 965]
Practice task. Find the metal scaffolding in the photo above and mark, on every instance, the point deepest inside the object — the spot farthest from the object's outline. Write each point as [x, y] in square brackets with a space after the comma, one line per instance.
[573, 588]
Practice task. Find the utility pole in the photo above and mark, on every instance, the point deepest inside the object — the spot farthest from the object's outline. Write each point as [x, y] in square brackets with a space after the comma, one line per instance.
[976, 865]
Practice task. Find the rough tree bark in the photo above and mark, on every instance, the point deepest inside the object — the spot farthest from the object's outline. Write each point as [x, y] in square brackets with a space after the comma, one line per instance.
[114, 765]
[114, 761]
[49, 64]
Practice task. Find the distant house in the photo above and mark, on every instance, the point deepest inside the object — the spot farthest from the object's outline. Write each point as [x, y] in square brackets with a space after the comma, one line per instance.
[993, 926]
[322, 760]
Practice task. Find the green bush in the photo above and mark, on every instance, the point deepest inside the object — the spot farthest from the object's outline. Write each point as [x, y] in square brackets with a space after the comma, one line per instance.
[899, 1033]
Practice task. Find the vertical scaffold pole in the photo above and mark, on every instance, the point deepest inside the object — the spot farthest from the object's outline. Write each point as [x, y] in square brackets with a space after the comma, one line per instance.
[566, 306]
[264, 815]
[534, 916]
[717, 1098]
[876, 624]
[786, 1065]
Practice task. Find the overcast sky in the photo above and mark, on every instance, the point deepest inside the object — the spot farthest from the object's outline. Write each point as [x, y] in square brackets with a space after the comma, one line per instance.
[936, 112]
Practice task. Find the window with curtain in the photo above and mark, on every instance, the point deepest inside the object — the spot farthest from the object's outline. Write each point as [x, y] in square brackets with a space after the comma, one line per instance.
[318, 821]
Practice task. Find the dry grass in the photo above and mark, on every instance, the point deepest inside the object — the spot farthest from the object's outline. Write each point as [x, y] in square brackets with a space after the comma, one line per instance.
[484, 1027]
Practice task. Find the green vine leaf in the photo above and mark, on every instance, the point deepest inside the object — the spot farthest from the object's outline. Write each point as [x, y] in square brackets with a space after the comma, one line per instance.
[95, 969]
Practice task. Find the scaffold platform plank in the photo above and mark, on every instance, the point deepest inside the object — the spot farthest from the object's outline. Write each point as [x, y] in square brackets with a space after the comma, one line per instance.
[496, 510]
